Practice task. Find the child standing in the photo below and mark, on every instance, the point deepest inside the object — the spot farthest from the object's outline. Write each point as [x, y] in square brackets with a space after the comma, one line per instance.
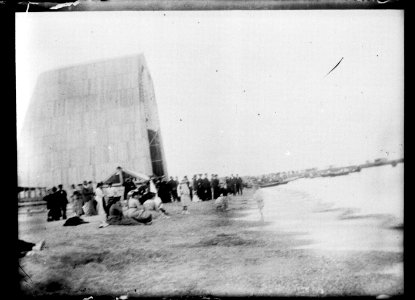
[184, 194]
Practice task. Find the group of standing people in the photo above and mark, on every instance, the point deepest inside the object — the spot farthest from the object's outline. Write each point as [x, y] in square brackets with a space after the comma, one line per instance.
[83, 200]
[206, 189]
[56, 202]
[89, 201]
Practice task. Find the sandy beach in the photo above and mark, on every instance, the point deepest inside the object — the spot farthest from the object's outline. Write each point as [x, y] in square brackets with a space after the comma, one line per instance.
[301, 249]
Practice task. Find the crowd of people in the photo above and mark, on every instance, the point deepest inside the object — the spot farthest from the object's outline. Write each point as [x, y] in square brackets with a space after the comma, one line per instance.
[140, 202]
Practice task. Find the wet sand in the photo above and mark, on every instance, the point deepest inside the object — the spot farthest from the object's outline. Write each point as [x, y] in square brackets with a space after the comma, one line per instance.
[232, 253]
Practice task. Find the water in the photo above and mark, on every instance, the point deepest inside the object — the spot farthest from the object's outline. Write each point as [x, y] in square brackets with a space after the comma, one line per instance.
[360, 211]
[373, 191]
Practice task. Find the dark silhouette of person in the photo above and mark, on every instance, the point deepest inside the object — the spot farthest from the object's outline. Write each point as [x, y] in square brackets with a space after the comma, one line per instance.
[62, 197]
[215, 186]
[129, 185]
[199, 183]
[172, 184]
[163, 190]
[239, 184]
[232, 182]
[53, 205]
[207, 188]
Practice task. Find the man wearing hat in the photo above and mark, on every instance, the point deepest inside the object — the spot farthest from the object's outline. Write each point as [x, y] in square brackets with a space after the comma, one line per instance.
[61, 195]
[163, 190]
[200, 192]
[206, 188]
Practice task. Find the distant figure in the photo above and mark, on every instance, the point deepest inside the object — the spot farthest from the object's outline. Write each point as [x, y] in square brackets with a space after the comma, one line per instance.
[193, 186]
[88, 193]
[111, 194]
[199, 183]
[259, 198]
[77, 201]
[215, 186]
[228, 184]
[207, 192]
[173, 189]
[62, 199]
[232, 185]
[177, 184]
[99, 197]
[184, 193]
[53, 205]
[239, 185]
[223, 189]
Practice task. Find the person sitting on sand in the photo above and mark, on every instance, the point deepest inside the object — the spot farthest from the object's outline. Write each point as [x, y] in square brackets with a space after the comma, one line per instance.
[221, 202]
[134, 207]
[152, 203]
[24, 247]
[116, 217]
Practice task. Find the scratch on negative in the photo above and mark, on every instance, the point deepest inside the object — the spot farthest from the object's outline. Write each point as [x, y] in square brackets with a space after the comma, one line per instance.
[335, 66]
[66, 4]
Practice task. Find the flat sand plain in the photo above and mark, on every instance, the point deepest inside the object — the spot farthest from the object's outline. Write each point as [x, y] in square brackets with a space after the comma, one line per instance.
[210, 253]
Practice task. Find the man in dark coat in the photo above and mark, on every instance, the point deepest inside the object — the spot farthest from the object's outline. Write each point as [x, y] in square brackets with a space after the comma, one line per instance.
[206, 188]
[228, 184]
[239, 184]
[163, 190]
[232, 182]
[129, 185]
[172, 184]
[61, 195]
[53, 205]
[215, 186]
[200, 192]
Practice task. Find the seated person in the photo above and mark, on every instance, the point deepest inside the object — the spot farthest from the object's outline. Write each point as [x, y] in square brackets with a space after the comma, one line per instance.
[117, 217]
[133, 205]
[221, 202]
[151, 202]
[26, 247]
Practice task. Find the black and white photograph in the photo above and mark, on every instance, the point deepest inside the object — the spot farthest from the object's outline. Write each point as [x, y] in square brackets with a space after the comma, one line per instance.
[210, 153]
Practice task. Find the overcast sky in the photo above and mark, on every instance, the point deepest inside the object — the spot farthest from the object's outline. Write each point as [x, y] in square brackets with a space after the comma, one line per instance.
[244, 91]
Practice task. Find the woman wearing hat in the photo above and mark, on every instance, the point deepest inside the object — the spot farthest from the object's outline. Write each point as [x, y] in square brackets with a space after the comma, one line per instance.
[99, 197]
[184, 194]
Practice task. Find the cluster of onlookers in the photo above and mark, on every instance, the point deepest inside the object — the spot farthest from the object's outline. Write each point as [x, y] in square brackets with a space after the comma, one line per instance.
[206, 189]
[82, 199]
[138, 197]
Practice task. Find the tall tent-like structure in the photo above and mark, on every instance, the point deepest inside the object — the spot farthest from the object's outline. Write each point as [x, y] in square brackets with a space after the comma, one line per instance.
[85, 120]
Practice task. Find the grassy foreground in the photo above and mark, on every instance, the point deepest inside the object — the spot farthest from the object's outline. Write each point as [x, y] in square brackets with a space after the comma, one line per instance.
[204, 253]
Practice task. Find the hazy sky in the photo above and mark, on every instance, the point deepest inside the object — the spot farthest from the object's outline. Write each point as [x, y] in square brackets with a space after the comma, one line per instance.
[244, 91]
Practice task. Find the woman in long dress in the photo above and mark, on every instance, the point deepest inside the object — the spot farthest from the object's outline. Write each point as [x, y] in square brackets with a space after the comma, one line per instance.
[88, 193]
[99, 197]
[184, 194]
[77, 201]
